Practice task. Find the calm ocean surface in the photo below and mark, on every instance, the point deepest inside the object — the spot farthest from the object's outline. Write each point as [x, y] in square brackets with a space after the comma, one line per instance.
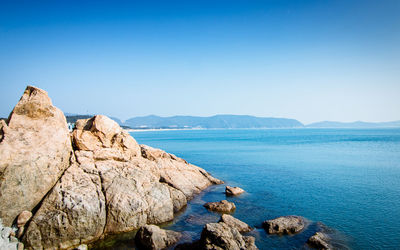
[348, 179]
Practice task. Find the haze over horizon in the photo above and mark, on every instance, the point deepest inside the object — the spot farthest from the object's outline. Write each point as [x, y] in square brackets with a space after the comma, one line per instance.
[310, 60]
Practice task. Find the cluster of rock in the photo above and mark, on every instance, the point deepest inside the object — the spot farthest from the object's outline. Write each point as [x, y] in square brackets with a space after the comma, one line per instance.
[61, 190]
[153, 237]
[294, 224]
[226, 234]
[77, 187]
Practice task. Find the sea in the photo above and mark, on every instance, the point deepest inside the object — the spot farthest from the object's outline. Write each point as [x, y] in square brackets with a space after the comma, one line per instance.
[345, 182]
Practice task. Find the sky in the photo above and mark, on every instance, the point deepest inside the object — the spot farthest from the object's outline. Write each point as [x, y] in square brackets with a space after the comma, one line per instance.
[308, 60]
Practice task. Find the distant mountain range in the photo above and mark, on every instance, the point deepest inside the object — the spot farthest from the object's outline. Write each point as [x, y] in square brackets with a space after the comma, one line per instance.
[229, 121]
[217, 121]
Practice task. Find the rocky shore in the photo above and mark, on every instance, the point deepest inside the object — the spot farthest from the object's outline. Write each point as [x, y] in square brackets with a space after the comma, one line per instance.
[63, 190]
[83, 185]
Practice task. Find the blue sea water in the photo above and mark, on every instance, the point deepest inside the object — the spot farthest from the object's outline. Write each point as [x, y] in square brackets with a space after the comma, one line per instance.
[348, 179]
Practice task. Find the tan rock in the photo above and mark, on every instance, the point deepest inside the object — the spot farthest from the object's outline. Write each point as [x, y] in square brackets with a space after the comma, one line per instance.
[102, 183]
[23, 218]
[285, 225]
[20, 246]
[178, 198]
[73, 212]
[176, 172]
[223, 206]
[153, 237]
[319, 241]
[34, 152]
[235, 223]
[20, 232]
[222, 236]
[233, 190]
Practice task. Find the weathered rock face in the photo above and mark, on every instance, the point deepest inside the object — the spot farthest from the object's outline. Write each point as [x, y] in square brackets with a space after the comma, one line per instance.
[35, 150]
[153, 237]
[74, 212]
[233, 190]
[223, 206]
[285, 225]
[319, 241]
[235, 223]
[187, 178]
[101, 183]
[222, 236]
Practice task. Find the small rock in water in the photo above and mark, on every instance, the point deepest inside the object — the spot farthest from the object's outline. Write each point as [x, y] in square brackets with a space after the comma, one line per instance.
[285, 225]
[223, 206]
[153, 237]
[319, 241]
[233, 190]
[222, 236]
[235, 223]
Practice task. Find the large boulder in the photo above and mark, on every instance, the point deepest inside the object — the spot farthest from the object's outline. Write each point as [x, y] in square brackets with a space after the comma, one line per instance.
[153, 237]
[235, 223]
[285, 225]
[223, 206]
[35, 150]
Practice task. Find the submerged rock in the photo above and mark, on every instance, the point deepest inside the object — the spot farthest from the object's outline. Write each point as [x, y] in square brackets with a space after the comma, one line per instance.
[233, 190]
[235, 223]
[223, 206]
[319, 241]
[285, 225]
[153, 237]
[101, 183]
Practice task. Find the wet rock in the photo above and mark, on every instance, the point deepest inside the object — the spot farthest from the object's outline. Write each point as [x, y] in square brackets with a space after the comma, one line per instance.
[222, 236]
[179, 199]
[200, 219]
[235, 223]
[223, 206]
[233, 190]
[319, 241]
[284, 225]
[153, 237]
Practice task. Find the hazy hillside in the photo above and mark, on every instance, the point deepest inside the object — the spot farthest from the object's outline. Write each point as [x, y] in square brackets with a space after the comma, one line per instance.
[73, 117]
[357, 124]
[217, 121]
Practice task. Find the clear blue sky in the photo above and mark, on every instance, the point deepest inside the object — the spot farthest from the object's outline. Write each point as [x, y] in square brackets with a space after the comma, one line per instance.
[308, 60]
